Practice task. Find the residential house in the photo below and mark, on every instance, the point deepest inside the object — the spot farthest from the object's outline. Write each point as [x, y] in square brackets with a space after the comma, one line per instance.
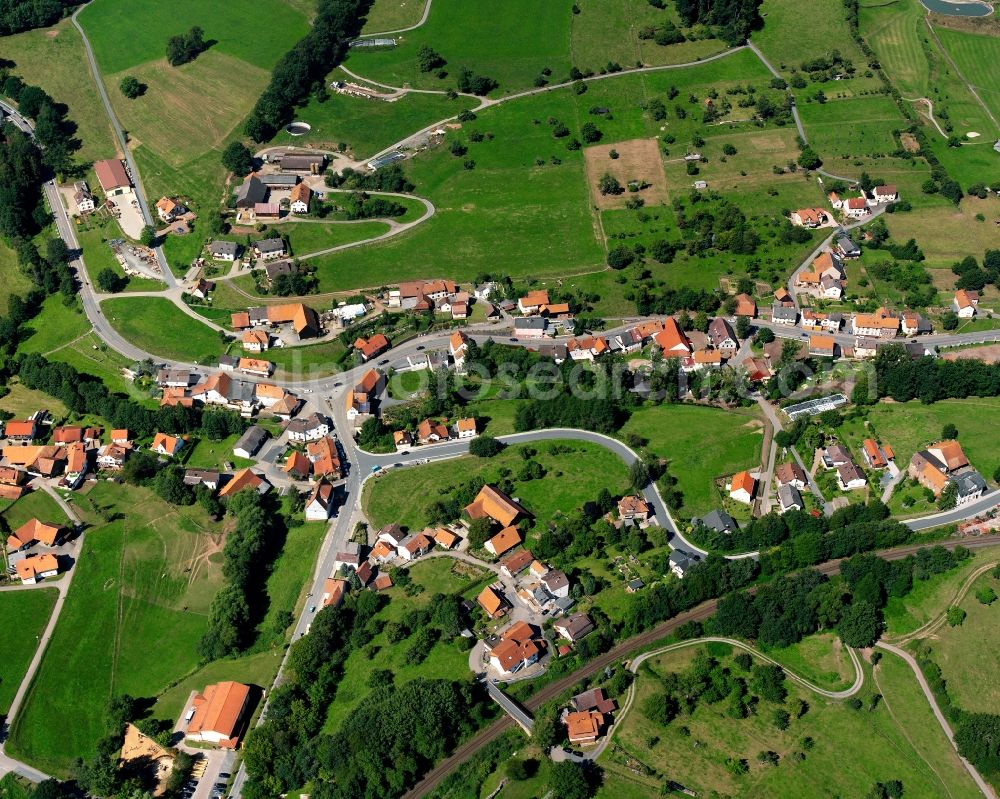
[835, 455]
[789, 498]
[845, 246]
[516, 562]
[782, 297]
[574, 627]
[884, 194]
[168, 210]
[790, 474]
[881, 324]
[402, 439]
[371, 347]
[866, 347]
[175, 378]
[756, 370]
[784, 315]
[334, 590]
[458, 345]
[965, 303]
[445, 539]
[269, 249]
[166, 445]
[496, 505]
[255, 366]
[719, 521]
[969, 485]
[209, 478]
[913, 324]
[221, 389]
[249, 444]
[325, 460]
[224, 250]
[587, 348]
[722, 336]
[849, 476]
[35, 531]
[532, 302]
[382, 582]
[429, 432]
[297, 465]
[121, 436]
[319, 505]
[83, 198]
[219, 715]
[22, 432]
[202, 289]
[36, 567]
[627, 341]
[518, 647]
[875, 456]
[256, 340]
[931, 467]
[67, 434]
[742, 487]
[245, 479]
[810, 217]
[299, 199]
[309, 428]
[822, 346]
[680, 562]
[633, 508]
[414, 546]
[835, 200]
[492, 601]
[503, 542]
[556, 583]
[530, 326]
[365, 572]
[855, 208]
[745, 306]
[466, 428]
[583, 728]
[76, 465]
[594, 699]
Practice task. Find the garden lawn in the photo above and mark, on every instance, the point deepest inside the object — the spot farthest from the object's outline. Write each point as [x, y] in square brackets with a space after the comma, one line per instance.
[965, 652]
[700, 444]
[55, 325]
[447, 659]
[880, 745]
[131, 623]
[29, 611]
[312, 359]
[34, 505]
[54, 59]
[572, 477]
[158, 326]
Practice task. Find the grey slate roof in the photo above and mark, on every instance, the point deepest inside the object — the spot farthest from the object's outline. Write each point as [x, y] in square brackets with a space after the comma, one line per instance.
[224, 248]
[720, 521]
[529, 323]
[270, 245]
[252, 440]
[781, 313]
[788, 495]
[250, 192]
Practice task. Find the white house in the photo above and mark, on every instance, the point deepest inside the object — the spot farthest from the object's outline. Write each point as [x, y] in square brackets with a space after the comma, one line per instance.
[741, 487]
[884, 194]
[320, 502]
[311, 428]
[965, 302]
[299, 199]
[466, 428]
[855, 207]
[83, 198]
[849, 476]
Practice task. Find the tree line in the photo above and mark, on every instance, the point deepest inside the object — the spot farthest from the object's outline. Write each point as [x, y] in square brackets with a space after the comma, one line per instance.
[931, 379]
[24, 15]
[84, 394]
[732, 19]
[306, 64]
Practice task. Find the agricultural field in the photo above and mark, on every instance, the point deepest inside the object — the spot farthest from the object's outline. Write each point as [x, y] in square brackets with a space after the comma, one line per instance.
[31, 610]
[367, 126]
[786, 42]
[963, 652]
[574, 473]
[948, 233]
[978, 58]
[852, 127]
[135, 612]
[525, 207]
[189, 112]
[310, 237]
[160, 327]
[899, 739]
[700, 444]
[389, 15]
[12, 279]
[447, 659]
[55, 60]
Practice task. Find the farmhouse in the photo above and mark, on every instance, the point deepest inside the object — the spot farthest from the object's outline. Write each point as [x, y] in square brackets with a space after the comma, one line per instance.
[745, 306]
[672, 340]
[218, 715]
[583, 728]
[245, 479]
[256, 340]
[34, 531]
[532, 302]
[515, 563]
[303, 319]
[299, 199]
[22, 432]
[810, 217]
[413, 546]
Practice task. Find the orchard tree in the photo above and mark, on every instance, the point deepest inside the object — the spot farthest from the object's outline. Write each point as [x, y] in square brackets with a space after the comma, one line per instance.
[131, 87]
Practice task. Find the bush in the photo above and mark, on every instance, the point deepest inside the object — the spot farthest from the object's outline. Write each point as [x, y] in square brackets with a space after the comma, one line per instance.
[621, 256]
[955, 616]
[485, 447]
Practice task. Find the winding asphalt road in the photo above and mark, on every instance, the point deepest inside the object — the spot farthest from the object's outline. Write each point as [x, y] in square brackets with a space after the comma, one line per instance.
[140, 192]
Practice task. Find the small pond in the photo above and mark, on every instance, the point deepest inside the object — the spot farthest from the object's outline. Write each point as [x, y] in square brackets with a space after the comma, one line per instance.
[954, 9]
